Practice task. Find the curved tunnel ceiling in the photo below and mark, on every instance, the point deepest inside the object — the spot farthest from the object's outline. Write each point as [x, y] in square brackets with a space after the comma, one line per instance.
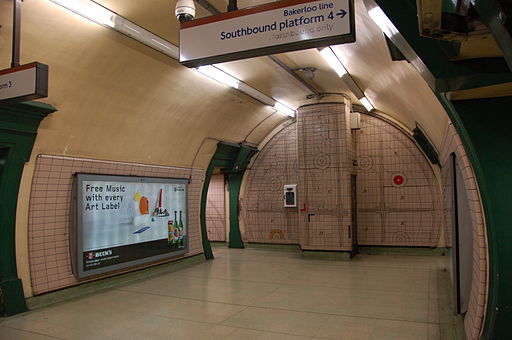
[394, 87]
[167, 95]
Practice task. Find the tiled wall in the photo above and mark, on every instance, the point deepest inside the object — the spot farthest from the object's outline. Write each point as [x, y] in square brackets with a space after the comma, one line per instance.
[216, 209]
[325, 154]
[49, 213]
[265, 218]
[475, 314]
[398, 196]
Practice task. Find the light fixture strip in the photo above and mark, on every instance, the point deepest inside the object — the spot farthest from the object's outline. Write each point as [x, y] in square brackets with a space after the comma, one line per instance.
[366, 103]
[284, 109]
[333, 61]
[219, 75]
[381, 19]
[103, 16]
[89, 10]
[253, 93]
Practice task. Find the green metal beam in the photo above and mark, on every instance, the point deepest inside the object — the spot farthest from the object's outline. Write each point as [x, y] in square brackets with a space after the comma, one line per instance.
[435, 54]
[234, 184]
[207, 248]
[18, 129]
[493, 16]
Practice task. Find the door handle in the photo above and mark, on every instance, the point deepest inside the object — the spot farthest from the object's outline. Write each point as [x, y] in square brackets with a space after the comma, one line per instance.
[309, 217]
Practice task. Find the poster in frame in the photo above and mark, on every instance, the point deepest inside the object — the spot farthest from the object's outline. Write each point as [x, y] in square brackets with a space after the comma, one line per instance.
[125, 221]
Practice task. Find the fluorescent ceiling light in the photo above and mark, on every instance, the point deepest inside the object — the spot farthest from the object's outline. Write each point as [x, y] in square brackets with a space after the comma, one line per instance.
[144, 36]
[381, 19]
[333, 61]
[103, 16]
[284, 109]
[366, 103]
[90, 10]
[219, 75]
[252, 92]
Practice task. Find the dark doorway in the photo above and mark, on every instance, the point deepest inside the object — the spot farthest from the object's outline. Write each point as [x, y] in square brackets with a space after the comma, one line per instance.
[462, 240]
[353, 213]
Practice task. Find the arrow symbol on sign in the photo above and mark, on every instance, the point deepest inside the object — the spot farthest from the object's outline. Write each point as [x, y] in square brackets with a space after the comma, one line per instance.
[341, 13]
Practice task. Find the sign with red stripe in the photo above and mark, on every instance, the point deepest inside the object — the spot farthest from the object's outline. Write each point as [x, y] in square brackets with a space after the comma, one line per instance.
[25, 82]
[277, 27]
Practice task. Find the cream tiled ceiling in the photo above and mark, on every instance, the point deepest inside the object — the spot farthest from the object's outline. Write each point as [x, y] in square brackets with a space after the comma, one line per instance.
[394, 87]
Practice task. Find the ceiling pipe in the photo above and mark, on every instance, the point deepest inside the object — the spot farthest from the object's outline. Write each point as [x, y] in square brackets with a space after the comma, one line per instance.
[295, 75]
[208, 6]
[233, 7]
[16, 28]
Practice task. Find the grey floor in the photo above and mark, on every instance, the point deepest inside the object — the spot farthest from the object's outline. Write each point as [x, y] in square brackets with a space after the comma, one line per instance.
[257, 294]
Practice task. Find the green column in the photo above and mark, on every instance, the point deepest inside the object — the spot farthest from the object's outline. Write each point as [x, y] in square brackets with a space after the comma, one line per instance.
[208, 254]
[11, 288]
[234, 184]
[232, 160]
[18, 129]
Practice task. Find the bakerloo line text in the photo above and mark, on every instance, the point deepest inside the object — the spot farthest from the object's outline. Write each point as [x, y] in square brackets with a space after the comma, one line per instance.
[245, 31]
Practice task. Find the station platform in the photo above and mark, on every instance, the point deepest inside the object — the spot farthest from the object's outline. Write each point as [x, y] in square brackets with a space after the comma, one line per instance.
[258, 293]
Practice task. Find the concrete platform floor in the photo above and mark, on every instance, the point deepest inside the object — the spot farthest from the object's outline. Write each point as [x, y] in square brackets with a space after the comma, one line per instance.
[260, 294]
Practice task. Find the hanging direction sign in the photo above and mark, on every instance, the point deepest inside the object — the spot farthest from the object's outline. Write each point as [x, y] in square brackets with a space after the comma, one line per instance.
[276, 27]
[23, 83]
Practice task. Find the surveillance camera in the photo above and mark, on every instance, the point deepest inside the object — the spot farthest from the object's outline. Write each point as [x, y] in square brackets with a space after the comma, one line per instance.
[185, 10]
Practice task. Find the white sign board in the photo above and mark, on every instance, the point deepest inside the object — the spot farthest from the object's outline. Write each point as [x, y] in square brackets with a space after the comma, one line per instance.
[272, 28]
[25, 82]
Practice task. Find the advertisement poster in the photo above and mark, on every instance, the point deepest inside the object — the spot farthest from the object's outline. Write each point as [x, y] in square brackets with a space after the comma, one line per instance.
[124, 221]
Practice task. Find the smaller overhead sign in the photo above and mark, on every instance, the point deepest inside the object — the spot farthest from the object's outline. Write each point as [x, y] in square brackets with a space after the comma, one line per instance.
[276, 27]
[23, 83]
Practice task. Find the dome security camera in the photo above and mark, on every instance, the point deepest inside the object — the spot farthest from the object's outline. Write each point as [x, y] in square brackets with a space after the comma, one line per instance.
[185, 10]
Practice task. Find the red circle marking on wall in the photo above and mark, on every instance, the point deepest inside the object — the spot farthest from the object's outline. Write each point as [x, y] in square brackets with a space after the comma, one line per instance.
[398, 180]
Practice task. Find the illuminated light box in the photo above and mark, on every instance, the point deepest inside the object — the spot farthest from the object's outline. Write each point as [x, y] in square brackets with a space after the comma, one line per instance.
[124, 221]
[272, 28]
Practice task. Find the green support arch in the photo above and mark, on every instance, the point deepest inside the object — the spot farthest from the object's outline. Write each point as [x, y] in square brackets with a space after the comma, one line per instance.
[18, 130]
[487, 142]
[232, 159]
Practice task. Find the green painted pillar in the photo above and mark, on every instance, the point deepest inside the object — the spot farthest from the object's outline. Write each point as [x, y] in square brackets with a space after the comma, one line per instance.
[18, 130]
[12, 300]
[234, 184]
[232, 160]
[207, 248]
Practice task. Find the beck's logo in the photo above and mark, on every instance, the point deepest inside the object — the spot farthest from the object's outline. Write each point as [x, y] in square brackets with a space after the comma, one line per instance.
[103, 253]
